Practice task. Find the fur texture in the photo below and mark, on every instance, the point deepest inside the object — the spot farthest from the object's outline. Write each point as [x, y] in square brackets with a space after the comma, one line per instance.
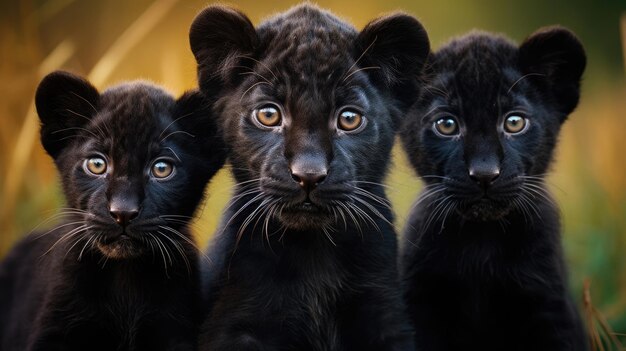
[120, 272]
[482, 262]
[306, 257]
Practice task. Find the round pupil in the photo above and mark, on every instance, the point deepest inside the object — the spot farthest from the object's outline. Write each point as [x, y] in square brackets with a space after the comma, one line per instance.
[97, 165]
[349, 120]
[268, 113]
[162, 169]
[349, 117]
[446, 126]
[268, 116]
[515, 123]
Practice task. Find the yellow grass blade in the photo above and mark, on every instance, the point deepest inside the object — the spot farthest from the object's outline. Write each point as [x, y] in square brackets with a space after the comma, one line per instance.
[27, 135]
[131, 36]
[98, 76]
[605, 334]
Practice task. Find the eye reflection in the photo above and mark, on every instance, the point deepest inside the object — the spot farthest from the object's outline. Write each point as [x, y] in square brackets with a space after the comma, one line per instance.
[96, 165]
[349, 120]
[268, 116]
[446, 126]
[162, 169]
[514, 124]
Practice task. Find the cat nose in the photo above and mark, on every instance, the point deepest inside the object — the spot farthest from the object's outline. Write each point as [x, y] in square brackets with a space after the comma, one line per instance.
[308, 180]
[124, 216]
[309, 169]
[124, 201]
[484, 176]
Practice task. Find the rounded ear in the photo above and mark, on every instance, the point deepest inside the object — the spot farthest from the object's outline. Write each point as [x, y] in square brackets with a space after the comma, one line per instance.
[193, 113]
[558, 59]
[220, 38]
[397, 45]
[65, 103]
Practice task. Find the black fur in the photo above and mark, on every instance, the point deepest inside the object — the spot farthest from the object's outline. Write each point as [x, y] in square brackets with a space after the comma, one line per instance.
[482, 261]
[306, 258]
[94, 284]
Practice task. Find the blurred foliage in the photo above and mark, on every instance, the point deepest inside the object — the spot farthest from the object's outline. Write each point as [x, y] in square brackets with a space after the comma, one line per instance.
[116, 40]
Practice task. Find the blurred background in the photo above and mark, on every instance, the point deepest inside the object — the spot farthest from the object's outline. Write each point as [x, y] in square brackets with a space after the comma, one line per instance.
[116, 40]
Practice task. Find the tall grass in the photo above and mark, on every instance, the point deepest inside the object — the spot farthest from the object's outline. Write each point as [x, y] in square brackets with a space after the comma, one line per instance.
[115, 40]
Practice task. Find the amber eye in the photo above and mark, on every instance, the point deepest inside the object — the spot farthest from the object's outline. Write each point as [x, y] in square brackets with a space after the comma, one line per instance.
[514, 124]
[162, 169]
[349, 120]
[268, 116]
[446, 126]
[96, 165]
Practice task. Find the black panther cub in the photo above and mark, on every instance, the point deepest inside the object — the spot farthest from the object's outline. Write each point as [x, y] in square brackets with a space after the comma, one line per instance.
[121, 272]
[306, 259]
[482, 261]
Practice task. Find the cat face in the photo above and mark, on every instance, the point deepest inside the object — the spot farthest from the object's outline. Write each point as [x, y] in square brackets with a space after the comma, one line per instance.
[485, 126]
[308, 104]
[133, 161]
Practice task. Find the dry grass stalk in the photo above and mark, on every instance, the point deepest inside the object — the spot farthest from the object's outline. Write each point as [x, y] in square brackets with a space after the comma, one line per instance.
[98, 76]
[129, 39]
[601, 335]
[28, 132]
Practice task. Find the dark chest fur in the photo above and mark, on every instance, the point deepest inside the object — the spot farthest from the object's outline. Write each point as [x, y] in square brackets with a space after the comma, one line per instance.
[482, 261]
[490, 285]
[56, 302]
[302, 292]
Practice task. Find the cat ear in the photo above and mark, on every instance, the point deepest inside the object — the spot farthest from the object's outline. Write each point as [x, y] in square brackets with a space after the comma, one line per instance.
[397, 45]
[558, 58]
[65, 103]
[193, 113]
[220, 38]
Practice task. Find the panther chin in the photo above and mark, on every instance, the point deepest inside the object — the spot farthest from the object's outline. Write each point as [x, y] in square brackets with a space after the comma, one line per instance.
[305, 216]
[484, 210]
[120, 248]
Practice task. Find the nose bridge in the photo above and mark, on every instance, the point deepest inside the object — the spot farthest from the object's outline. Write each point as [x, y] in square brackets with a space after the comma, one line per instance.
[125, 197]
[483, 156]
[483, 147]
[309, 146]
[124, 194]
[308, 155]
[308, 152]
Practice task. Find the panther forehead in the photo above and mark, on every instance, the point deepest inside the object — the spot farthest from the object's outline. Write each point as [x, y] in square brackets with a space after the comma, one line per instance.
[477, 62]
[477, 48]
[137, 106]
[308, 45]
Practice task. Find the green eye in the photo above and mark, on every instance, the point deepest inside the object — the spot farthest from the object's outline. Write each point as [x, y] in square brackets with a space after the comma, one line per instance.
[514, 124]
[268, 116]
[349, 120]
[96, 165]
[446, 126]
[162, 169]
